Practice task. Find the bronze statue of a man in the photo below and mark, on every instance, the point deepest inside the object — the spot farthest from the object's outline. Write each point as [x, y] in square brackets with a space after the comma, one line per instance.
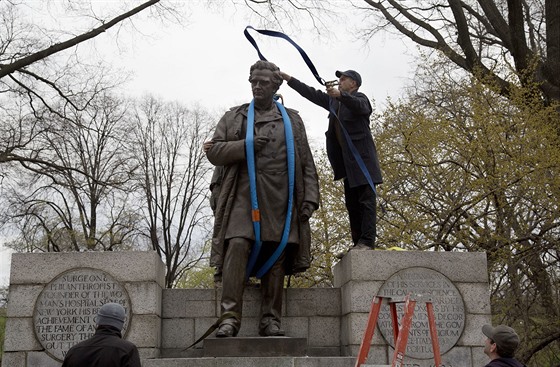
[284, 234]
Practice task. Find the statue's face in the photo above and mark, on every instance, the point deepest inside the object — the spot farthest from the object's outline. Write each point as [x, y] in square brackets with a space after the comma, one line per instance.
[262, 86]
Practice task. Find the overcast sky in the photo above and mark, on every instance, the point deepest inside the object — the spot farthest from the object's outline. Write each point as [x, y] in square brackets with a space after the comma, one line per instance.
[207, 63]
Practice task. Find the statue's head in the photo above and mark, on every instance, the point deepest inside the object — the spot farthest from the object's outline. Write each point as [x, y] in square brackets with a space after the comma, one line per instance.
[265, 80]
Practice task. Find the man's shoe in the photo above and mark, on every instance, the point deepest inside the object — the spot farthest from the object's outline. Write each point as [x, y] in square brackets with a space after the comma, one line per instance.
[272, 329]
[341, 254]
[225, 331]
[359, 246]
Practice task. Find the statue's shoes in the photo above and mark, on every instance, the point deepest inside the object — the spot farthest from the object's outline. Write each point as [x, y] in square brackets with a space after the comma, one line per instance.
[225, 331]
[272, 329]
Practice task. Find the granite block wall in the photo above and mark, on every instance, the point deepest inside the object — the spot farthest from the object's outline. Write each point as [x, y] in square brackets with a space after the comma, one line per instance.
[141, 273]
[165, 321]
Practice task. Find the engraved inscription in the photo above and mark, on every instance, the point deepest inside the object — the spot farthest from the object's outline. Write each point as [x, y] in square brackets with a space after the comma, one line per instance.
[66, 308]
[449, 310]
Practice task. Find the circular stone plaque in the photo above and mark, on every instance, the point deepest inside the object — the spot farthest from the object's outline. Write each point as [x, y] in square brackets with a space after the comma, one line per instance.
[449, 310]
[66, 308]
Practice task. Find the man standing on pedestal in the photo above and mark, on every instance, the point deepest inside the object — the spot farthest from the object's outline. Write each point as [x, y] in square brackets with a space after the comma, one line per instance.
[266, 161]
[349, 110]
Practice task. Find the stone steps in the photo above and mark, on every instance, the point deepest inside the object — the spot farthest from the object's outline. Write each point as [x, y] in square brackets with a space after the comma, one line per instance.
[164, 322]
[257, 362]
[279, 346]
[254, 352]
[252, 362]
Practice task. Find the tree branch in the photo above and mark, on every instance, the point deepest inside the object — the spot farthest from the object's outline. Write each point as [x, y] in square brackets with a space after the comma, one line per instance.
[26, 61]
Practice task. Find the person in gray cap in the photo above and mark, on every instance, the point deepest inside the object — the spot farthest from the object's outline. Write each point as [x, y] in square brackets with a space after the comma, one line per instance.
[500, 345]
[349, 109]
[105, 348]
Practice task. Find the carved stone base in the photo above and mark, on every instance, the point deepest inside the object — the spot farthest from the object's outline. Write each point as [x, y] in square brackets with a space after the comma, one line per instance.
[272, 346]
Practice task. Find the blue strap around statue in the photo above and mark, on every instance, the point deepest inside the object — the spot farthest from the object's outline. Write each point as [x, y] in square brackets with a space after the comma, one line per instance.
[266, 32]
[255, 213]
[311, 67]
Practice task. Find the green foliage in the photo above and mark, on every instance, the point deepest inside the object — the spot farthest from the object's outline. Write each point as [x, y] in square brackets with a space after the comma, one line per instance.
[200, 277]
[468, 170]
[460, 159]
[330, 229]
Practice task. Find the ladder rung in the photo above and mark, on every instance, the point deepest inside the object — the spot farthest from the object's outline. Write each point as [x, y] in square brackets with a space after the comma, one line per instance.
[416, 297]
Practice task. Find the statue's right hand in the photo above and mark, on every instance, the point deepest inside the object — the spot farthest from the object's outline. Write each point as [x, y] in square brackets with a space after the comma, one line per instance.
[260, 142]
[207, 145]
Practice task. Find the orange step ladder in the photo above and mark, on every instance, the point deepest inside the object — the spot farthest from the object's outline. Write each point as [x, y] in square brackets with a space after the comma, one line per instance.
[400, 335]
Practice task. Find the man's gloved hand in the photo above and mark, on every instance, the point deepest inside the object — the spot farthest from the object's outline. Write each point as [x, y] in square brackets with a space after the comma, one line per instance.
[307, 209]
[260, 142]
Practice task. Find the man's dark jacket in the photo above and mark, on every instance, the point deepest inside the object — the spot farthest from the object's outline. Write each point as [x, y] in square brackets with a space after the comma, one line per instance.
[105, 349]
[354, 110]
[505, 362]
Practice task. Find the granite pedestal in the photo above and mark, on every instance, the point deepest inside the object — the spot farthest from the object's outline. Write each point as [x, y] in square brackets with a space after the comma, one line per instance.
[328, 323]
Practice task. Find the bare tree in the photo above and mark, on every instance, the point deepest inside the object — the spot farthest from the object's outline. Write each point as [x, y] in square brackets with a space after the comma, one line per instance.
[17, 61]
[42, 83]
[174, 178]
[284, 15]
[486, 38]
[48, 95]
[3, 297]
[84, 207]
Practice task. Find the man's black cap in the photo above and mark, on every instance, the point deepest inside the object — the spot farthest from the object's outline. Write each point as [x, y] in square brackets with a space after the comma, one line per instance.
[352, 74]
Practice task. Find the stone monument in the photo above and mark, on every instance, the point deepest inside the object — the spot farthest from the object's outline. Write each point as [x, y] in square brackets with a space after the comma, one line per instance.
[65, 310]
[456, 282]
[54, 297]
[449, 310]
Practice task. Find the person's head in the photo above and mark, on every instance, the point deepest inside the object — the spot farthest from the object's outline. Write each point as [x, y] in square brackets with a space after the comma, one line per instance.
[348, 81]
[265, 80]
[111, 314]
[502, 341]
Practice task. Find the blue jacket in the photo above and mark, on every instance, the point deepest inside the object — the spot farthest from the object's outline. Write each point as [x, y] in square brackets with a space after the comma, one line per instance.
[354, 111]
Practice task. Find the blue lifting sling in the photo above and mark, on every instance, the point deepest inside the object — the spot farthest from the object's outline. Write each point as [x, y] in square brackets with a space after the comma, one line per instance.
[255, 213]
